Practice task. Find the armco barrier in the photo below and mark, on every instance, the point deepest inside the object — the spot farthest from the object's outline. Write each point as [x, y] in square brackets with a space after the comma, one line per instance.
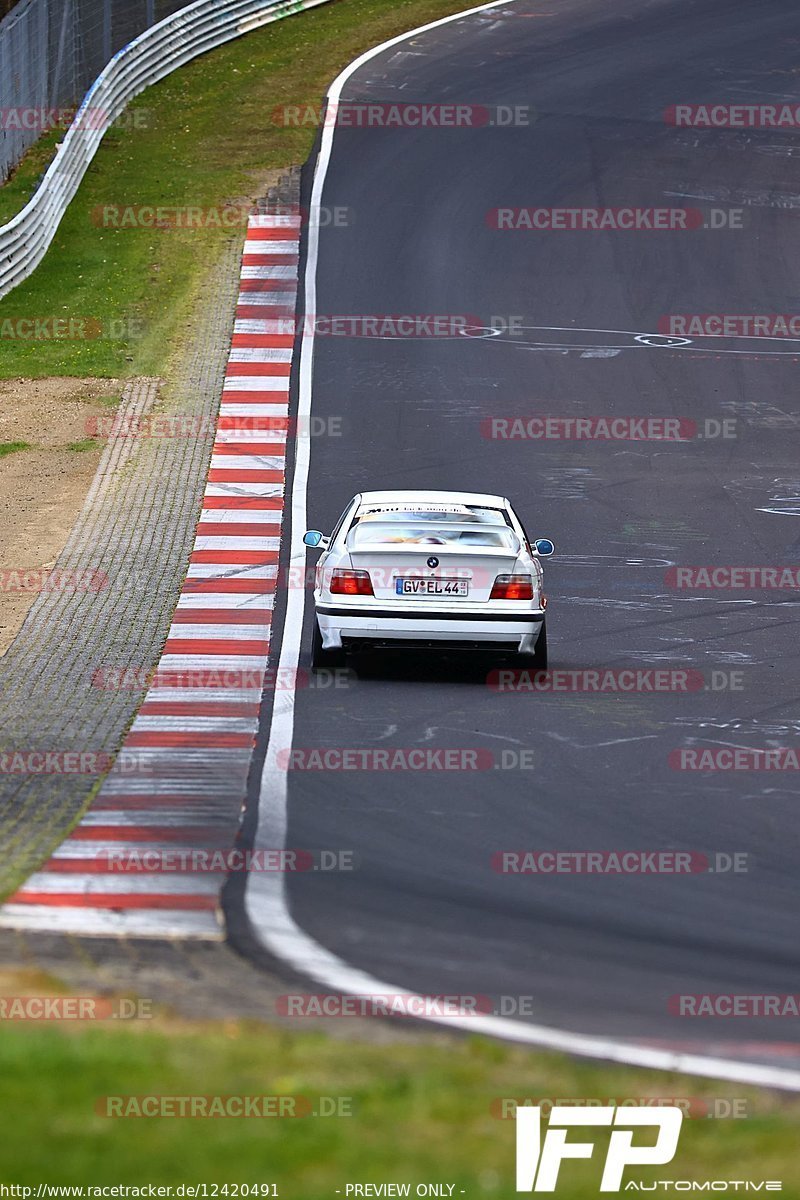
[151, 56]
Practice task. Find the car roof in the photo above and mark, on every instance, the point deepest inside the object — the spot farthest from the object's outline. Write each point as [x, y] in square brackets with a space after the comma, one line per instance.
[402, 496]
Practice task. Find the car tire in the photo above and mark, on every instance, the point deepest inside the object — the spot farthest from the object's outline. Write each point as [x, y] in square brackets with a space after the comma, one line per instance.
[322, 659]
[538, 660]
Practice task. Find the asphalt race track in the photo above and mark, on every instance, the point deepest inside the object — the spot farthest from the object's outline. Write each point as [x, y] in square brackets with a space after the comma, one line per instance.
[425, 910]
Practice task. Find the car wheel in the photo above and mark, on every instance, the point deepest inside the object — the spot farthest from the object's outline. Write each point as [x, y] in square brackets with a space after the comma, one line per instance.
[538, 660]
[322, 659]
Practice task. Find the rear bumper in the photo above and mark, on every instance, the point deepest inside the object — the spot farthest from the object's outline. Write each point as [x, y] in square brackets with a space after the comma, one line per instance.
[518, 631]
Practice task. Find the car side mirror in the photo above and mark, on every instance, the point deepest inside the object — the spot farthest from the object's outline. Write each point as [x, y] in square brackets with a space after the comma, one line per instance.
[313, 537]
[544, 547]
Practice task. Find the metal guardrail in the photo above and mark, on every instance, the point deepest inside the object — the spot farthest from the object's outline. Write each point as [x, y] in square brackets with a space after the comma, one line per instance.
[157, 52]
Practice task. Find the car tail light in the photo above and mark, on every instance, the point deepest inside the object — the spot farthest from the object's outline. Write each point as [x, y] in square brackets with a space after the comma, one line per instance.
[512, 587]
[351, 583]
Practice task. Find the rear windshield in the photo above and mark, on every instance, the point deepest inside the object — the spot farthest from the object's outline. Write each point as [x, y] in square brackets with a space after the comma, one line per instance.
[457, 514]
[415, 532]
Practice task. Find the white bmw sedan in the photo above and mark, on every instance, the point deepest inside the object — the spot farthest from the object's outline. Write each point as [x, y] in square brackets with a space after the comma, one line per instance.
[429, 569]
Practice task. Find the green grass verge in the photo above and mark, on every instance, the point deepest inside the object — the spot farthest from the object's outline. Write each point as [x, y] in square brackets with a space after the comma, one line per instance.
[209, 139]
[421, 1111]
[12, 447]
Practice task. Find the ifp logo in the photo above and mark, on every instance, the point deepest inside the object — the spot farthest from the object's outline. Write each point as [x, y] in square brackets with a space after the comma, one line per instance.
[538, 1162]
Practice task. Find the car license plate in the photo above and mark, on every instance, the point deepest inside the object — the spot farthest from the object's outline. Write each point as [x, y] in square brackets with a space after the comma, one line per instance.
[431, 587]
